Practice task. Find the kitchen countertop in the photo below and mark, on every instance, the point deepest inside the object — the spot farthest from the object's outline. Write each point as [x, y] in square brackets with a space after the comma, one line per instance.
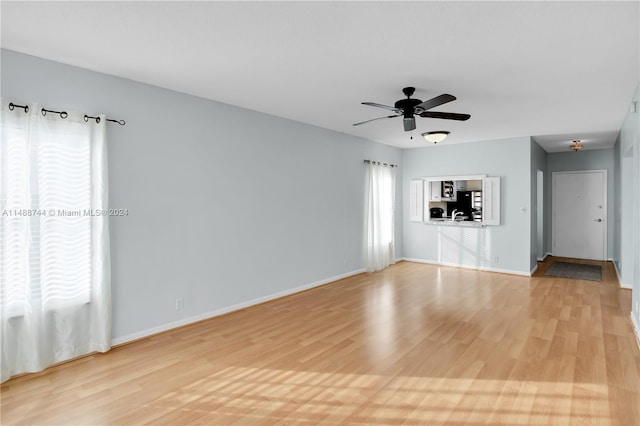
[449, 222]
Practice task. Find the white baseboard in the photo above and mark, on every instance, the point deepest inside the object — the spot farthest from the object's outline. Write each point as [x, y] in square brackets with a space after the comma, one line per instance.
[544, 257]
[636, 328]
[623, 285]
[533, 270]
[226, 310]
[476, 268]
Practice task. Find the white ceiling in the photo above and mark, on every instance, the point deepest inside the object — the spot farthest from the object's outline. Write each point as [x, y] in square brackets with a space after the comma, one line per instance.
[553, 70]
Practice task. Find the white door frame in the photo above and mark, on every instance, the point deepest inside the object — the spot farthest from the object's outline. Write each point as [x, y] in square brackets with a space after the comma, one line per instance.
[540, 248]
[604, 208]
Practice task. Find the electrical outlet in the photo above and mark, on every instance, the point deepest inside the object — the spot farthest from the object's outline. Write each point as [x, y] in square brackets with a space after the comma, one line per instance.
[179, 303]
[496, 259]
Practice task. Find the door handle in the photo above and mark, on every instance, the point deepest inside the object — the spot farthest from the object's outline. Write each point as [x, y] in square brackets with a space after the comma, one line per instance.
[597, 220]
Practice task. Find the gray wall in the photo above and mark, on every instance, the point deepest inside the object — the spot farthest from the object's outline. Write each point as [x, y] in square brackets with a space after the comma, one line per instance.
[597, 159]
[226, 205]
[473, 247]
[538, 162]
[627, 229]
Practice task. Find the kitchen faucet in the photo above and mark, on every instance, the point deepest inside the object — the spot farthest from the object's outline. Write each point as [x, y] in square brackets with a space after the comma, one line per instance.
[454, 214]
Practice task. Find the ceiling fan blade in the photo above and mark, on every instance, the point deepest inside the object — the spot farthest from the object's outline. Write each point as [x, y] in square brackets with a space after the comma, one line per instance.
[374, 119]
[390, 108]
[445, 115]
[434, 102]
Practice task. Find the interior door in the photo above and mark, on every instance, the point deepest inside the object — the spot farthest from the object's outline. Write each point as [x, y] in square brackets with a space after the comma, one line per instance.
[579, 214]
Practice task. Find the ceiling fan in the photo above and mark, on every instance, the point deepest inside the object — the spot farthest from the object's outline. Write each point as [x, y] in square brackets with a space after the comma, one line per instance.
[409, 108]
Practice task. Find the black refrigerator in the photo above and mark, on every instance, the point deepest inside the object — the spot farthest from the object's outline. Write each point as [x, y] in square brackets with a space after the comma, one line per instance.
[470, 202]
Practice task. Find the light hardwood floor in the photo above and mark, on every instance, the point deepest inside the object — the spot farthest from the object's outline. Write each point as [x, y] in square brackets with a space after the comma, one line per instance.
[417, 344]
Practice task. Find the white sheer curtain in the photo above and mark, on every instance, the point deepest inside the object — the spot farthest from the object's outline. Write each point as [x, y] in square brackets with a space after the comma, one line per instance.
[55, 278]
[379, 216]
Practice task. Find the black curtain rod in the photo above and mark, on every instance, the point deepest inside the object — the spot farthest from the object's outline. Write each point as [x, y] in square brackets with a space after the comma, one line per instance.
[377, 162]
[62, 114]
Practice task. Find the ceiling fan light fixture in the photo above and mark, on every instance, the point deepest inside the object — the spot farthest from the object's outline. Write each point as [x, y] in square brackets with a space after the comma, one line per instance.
[576, 145]
[409, 123]
[435, 136]
[410, 107]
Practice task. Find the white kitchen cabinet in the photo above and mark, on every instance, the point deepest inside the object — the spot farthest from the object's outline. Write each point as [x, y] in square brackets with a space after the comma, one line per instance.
[435, 193]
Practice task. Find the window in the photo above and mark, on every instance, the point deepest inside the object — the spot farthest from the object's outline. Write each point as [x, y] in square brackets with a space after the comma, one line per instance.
[379, 216]
[54, 240]
[430, 202]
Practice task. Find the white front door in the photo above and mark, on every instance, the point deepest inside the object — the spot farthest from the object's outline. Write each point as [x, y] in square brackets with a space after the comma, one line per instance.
[580, 214]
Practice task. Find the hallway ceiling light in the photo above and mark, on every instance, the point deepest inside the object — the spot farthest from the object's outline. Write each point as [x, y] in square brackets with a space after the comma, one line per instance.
[576, 145]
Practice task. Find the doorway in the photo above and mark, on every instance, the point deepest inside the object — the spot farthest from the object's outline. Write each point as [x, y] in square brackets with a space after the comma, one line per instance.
[540, 215]
[625, 266]
[579, 214]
